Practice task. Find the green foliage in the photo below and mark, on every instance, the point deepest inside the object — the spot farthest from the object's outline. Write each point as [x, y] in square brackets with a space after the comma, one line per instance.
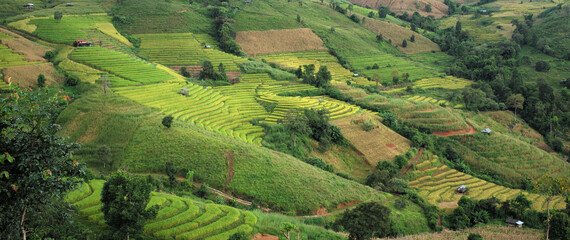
[559, 226]
[261, 67]
[37, 165]
[459, 220]
[401, 161]
[124, 201]
[184, 72]
[105, 155]
[404, 43]
[398, 185]
[542, 66]
[400, 203]
[474, 236]
[41, 80]
[366, 221]
[167, 121]
[71, 80]
[320, 163]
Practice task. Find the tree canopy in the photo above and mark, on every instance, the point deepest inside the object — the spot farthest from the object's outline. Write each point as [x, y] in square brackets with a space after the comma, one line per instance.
[366, 221]
[36, 164]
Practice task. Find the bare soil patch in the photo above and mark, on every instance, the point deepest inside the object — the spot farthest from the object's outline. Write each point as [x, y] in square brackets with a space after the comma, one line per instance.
[471, 130]
[230, 159]
[373, 144]
[27, 76]
[448, 205]
[262, 236]
[279, 41]
[398, 34]
[34, 52]
[390, 145]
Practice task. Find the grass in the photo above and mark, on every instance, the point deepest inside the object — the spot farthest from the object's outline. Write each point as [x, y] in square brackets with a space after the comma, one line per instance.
[226, 219]
[185, 49]
[437, 183]
[348, 38]
[34, 52]
[141, 144]
[559, 69]
[278, 41]
[67, 29]
[490, 232]
[80, 7]
[162, 17]
[27, 75]
[501, 154]
[397, 34]
[438, 8]
[122, 65]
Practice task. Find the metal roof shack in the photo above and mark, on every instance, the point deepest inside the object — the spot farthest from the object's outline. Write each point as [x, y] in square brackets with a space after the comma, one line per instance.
[514, 223]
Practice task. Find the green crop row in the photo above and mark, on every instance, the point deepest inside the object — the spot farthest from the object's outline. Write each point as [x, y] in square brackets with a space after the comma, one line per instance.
[94, 198]
[212, 211]
[245, 228]
[232, 215]
[173, 221]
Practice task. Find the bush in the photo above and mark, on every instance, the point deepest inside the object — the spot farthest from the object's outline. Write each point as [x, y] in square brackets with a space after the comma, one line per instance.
[167, 121]
[474, 236]
[400, 203]
[398, 185]
[542, 66]
[320, 163]
[401, 161]
[71, 80]
[49, 55]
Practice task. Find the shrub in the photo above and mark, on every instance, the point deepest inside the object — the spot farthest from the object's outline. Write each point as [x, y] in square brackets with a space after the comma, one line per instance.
[474, 236]
[401, 161]
[542, 66]
[49, 55]
[400, 203]
[404, 43]
[320, 163]
[71, 80]
[398, 185]
[167, 121]
[41, 80]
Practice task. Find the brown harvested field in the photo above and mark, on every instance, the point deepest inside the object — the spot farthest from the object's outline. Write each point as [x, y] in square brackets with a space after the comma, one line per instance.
[487, 232]
[438, 9]
[398, 34]
[27, 76]
[34, 52]
[279, 41]
[379, 144]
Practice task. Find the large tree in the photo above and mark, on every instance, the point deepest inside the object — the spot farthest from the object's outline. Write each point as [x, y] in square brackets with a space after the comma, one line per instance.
[516, 101]
[36, 164]
[551, 186]
[366, 221]
[124, 201]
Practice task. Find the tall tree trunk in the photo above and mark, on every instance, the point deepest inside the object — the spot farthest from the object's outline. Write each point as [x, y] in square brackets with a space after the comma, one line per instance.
[127, 235]
[547, 216]
[22, 228]
[515, 114]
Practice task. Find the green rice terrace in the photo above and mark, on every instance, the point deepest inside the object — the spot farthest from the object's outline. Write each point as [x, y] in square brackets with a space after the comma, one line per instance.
[387, 64]
[177, 218]
[185, 49]
[438, 183]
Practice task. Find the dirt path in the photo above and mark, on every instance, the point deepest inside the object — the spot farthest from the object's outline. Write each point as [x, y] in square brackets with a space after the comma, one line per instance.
[415, 159]
[230, 159]
[471, 130]
[261, 236]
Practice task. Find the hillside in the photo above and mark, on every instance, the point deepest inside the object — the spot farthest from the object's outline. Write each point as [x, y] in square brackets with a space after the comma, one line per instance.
[141, 144]
[438, 9]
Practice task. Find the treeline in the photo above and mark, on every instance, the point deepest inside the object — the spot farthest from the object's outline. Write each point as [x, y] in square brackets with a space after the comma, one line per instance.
[223, 29]
[494, 66]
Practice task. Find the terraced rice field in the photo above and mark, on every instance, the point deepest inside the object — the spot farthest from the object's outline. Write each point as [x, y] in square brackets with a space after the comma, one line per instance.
[448, 82]
[318, 58]
[8, 58]
[3, 85]
[177, 218]
[279, 41]
[388, 64]
[512, 156]
[397, 34]
[172, 49]
[433, 117]
[130, 68]
[68, 28]
[269, 90]
[229, 110]
[426, 99]
[437, 183]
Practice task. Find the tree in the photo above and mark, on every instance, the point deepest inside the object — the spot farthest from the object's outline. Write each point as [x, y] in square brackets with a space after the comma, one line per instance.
[550, 187]
[383, 11]
[323, 77]
[171, 173]
[379, 37]
[124, 201]
[428, 8]
[366, 221]
[516, 101]
[286, 229]
[542, 66]
[413, 38]
[207, 71]
[404, 43]
[36, 165]
[184, 72]
[458, 27]
[41, 80]
[167, 121]
[350, 8]
[57, 15]
[222, 76]
[105, 81]
[105, 155]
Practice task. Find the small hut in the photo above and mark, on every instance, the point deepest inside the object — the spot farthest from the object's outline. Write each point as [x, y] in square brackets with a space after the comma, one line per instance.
[184, 91]
[69, 4]
[486, 131]
[461, 189]
[82, 43]
[514, 223]
[564, 82]
[208, 47]
[355, 75]
[29, 6]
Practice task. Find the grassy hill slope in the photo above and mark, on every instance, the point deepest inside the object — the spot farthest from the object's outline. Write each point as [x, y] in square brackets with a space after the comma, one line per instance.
[141, 144]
